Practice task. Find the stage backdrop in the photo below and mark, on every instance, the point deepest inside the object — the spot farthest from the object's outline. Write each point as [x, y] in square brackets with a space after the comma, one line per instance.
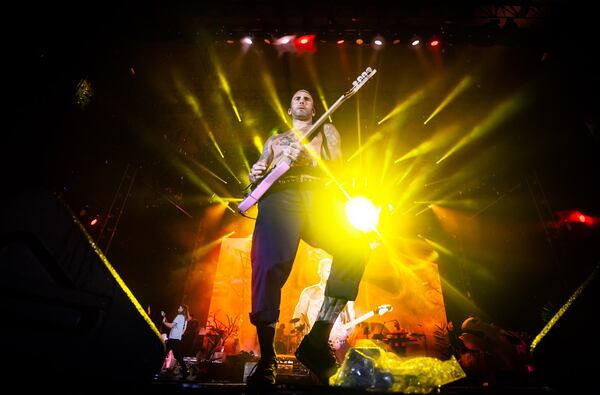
[416, 325]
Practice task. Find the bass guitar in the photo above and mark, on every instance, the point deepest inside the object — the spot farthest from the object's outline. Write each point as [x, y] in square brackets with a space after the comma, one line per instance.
[339, 334]
[282, 166]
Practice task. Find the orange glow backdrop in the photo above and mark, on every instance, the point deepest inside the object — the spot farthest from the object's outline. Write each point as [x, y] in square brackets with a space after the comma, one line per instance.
[416, 325]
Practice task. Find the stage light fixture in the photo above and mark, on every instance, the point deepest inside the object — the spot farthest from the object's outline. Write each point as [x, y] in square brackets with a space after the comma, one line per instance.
[359, 41]
[340, 41]
[378, 42]
[247, 40]
[285, 44]
[305, 43]
[434, 42]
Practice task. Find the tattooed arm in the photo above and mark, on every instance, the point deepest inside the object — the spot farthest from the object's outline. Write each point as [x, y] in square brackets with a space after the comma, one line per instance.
[333, 143]
[262, 164]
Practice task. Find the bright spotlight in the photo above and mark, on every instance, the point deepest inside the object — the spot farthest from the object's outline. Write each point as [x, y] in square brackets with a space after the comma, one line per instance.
[246, 40]
[362, 214]
[378, 42]
[415, 41]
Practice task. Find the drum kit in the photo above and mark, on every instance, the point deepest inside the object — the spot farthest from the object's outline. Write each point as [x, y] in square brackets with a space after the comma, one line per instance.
[286, 343]
[292, 340]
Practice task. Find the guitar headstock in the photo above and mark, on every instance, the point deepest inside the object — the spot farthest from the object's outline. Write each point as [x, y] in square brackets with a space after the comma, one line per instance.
[384, 308]
[360, 81]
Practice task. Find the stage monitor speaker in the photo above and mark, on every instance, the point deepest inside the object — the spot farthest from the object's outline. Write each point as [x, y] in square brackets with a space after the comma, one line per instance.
[67, 316]
[289, 371]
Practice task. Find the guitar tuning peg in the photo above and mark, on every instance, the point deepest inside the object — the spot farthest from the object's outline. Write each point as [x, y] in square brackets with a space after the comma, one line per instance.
[354, 83]
[369, 70]
[364, 74]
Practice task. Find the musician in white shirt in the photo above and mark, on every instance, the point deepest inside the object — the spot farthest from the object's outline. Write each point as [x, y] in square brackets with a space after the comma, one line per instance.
[308, 306]
[177, 327]
[310, 301]
[299, 206]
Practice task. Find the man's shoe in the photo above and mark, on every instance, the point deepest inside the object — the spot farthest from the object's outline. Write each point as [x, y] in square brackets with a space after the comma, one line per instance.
[319, 359]
[264, 373]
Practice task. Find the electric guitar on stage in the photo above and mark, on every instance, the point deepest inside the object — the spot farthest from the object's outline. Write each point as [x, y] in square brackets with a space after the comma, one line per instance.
[282, 166]
[341, 332]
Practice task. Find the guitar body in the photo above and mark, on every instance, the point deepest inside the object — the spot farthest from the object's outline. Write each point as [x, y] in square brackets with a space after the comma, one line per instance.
[340, 333]
[275, 173]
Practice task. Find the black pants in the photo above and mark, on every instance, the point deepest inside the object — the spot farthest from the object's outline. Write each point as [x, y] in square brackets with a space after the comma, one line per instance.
[305, 211]
[174, 345]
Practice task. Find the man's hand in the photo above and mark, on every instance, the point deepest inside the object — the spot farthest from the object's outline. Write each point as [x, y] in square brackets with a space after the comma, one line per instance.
[258, 171]
[293, 150]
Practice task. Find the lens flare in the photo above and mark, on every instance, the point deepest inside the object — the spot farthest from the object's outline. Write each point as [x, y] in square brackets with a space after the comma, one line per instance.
[362, 214]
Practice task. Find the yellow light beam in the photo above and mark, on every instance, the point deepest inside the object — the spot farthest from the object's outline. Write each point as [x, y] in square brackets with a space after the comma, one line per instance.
[225, 202]
[403, 106]
[389, 151]
[197, 109]
[372, 140]
[274, 99]
[214, 141]
[506, 109]
[316, 83]
[440, 139]
[225, 86]
[202, 250]
[222, 199]
[462, 86]
[258, 143]
[436, 246]
[563, 309]
[427, 208]
[209, 171]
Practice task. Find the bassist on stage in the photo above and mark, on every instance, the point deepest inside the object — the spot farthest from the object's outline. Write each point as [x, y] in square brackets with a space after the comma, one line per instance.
[299, 206]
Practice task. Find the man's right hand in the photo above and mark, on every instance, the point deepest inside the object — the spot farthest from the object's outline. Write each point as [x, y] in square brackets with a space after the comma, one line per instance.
[258, 171]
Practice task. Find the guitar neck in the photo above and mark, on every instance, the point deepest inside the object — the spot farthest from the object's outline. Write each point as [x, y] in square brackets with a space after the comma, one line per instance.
[358, 320]
[310, 133]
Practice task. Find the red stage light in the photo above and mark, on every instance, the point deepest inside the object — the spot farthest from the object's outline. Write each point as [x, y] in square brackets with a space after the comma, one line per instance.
[434, 43]
[575, 216]
[94, 221]
[305, 43]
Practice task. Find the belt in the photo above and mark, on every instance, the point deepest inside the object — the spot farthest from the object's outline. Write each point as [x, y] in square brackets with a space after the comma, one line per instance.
[298, 179]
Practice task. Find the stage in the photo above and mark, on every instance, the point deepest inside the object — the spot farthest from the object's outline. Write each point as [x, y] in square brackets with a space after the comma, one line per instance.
[136, 129]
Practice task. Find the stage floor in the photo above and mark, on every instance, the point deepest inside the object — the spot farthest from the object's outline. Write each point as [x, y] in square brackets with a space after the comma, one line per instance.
[164, 387]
